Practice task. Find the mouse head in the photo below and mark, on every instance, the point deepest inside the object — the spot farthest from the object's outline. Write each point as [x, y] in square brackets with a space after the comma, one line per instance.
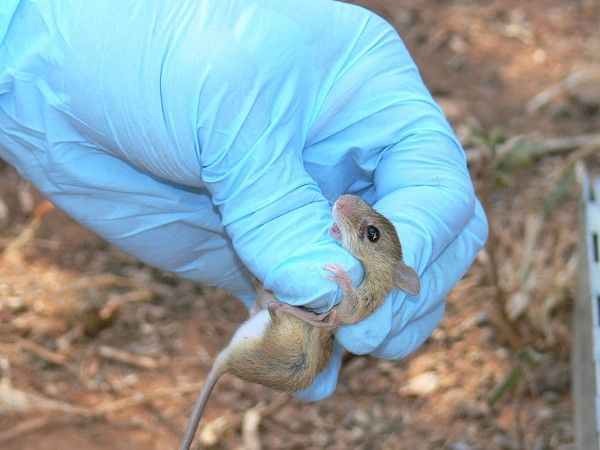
[372, 239]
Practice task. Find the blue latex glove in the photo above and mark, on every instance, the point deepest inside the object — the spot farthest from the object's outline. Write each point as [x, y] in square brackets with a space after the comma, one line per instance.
[209, 138]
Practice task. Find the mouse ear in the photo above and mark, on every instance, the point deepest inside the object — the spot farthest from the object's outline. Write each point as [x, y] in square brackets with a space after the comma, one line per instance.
[407, 279]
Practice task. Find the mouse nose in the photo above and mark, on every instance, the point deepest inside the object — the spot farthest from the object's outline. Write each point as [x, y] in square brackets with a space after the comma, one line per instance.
[340, 206]
[345, 203]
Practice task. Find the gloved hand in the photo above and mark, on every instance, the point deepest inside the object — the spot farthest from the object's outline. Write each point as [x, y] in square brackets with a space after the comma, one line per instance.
[209, 138]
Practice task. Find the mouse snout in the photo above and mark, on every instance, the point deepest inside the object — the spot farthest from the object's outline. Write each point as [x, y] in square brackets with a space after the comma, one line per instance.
[346, 204]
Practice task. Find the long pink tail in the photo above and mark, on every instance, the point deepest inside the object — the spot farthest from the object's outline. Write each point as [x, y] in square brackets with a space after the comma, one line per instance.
[209, 384]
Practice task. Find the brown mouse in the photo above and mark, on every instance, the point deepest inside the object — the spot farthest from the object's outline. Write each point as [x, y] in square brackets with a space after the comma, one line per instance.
[296, 343]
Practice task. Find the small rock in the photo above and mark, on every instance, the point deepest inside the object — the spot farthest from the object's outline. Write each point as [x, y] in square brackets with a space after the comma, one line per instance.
[355, 434]
[458, 44]
[460, 446]
[551, 397]
[481, 318]
[502, 353]
[404, 17]
[14, 304]
[322, 440]
[422, 384]
[504, 442]
[387, 367]
[543, 413]
[384, 427]
[25, 196]
[438, 335]
[361, 418]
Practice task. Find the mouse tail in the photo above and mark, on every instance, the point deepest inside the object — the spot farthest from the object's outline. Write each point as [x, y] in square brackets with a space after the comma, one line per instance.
[194, 420]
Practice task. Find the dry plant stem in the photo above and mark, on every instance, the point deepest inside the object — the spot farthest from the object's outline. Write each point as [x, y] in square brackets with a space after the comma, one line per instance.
[52, 357]
[104, 279]
[98, 412]
[250, 424]
[158, 412]
[210, 433]
[543, 146]
[11, 251]
[520, 438]
[39, 423]
[138, 399]
[111, 280]
[499, 316]
[14, 400]
[41, 352]
[25, 427]
[138, 295]
[508, 329]
[115, 354]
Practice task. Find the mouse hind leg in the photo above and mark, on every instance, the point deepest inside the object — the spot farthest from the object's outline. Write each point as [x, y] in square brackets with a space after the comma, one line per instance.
[263, 297]
[266, 300]
[323, 320]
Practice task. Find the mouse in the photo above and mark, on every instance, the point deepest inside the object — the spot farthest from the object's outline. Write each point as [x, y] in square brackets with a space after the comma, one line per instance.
[284, 347]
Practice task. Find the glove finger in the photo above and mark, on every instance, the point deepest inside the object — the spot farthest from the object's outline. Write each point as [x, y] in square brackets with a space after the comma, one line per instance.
[324, 384]
[416, 317]
[365, 336]
[163, 224]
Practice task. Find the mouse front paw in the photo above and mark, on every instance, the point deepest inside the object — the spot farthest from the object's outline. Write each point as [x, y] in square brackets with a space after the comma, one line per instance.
[340, 276]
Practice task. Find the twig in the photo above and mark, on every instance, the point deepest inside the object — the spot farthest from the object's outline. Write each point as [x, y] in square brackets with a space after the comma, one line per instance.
[250, 424]
[583, 76]
[76, 412]
[15, 400]
[539, 146]
[11, 251]
[212, 431]
[39, 423]
[498, 314]
[139, 399]
[26, 426]
[42, 352]
[139, 295]
[105, 279]
[115, 354]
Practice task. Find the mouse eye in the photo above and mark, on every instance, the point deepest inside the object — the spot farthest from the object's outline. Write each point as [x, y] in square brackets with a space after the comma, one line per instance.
[373, 233]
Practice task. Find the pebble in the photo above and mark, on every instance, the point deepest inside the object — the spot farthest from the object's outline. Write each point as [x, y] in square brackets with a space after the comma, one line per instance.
[422, 384]
[459, 446]
[504, 442]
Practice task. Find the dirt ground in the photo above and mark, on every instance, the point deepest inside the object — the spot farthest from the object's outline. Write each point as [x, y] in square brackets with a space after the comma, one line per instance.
[98, 351]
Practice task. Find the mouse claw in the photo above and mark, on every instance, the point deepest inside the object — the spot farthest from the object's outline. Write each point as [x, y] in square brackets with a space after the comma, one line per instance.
[341, 277]
[333, 268]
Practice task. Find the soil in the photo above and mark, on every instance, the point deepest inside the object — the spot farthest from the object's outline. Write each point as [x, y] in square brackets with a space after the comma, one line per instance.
[494, 375]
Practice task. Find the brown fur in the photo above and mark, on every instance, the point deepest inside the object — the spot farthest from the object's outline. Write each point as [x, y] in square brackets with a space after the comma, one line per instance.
[291, 352]
[381, 260]
[287, 357]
